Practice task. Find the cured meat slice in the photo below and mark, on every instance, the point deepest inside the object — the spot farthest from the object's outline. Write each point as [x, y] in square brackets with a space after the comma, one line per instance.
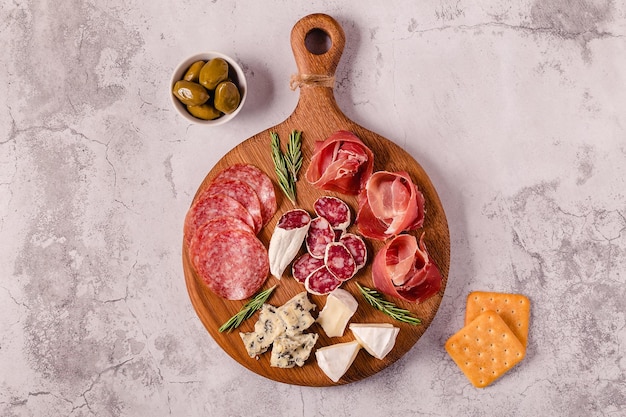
[319, 235]
[294, 219]
[233, 264]
[403, 269]
[244, 194]
[339, 261]
[340, 163]
[287, 239]
[356, 246]
[209, 206]
[215, 226]
[389, 204]
[260, 183]
[333, 209]
[304, 266]
[321, 282]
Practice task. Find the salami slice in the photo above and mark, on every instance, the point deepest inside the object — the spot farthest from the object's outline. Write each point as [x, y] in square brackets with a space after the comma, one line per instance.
[319, 235]
[356, 246]
[304, 266]
[321, 282]
[294, 219]
[339, 261]
[208, 207]
[244, 194]
[215, 226]
[233, 264]
[334, 210]
[259, 182]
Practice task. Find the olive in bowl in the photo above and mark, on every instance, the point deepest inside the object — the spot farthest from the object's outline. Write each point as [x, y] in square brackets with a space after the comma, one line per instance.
[208, 88]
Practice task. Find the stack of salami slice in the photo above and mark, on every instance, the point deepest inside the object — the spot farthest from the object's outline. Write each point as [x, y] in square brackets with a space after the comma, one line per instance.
[221, 227]
[333, 256]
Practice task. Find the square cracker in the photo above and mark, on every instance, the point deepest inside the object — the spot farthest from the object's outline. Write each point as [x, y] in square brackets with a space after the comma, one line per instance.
[485, 349]
[513, 308]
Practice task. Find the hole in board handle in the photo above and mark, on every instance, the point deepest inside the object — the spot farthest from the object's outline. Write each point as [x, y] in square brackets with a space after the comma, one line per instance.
[317, 42]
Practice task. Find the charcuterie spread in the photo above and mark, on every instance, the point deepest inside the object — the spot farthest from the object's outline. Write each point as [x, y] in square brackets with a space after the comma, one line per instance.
[320, 279]
[316, 250]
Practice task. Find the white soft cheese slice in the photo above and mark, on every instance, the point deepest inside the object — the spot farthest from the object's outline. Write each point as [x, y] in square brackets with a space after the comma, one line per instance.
[336, 359]
[377, 338]
[340, 307]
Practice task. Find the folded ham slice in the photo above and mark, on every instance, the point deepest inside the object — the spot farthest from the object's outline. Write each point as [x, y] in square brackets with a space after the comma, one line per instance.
[340, 163]
[389, 204]
[402, 269]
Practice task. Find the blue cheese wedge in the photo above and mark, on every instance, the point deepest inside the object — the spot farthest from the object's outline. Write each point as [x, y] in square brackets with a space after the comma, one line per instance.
[267, 328]
[283, 328]
[340, 307]
[377, 338]
[296, 314]
[289, 351]
[335, 360]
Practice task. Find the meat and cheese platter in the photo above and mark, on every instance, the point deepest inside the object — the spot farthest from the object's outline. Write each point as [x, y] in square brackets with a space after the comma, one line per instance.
[360, 226]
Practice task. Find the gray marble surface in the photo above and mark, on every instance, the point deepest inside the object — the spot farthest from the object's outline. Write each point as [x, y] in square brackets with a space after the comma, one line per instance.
[517, 111]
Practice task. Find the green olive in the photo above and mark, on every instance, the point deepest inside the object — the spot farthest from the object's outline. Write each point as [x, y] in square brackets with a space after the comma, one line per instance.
[204, 111]
[190, 93]
[193, 73]
[213, 72]
[227, 97]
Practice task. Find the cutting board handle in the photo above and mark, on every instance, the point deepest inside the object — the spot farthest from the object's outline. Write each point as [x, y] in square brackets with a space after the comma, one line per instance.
[316, 69]
[313, 62]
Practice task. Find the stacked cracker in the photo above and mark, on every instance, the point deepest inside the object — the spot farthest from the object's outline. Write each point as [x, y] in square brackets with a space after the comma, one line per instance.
[494, 337]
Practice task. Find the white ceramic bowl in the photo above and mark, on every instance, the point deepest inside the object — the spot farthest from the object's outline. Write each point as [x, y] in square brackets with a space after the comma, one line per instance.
[235, 72]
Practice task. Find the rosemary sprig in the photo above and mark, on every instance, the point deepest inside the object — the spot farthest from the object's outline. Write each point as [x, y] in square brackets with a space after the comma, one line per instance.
[287, 166]
[247, 310]
[377, 301]
[293, 157]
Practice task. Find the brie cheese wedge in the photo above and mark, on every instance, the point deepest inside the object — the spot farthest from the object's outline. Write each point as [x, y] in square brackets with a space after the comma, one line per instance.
[336, 359]
[340, 307]
[377, 338]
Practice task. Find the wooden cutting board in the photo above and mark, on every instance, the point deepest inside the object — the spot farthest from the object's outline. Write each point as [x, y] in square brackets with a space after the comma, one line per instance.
[318, 116]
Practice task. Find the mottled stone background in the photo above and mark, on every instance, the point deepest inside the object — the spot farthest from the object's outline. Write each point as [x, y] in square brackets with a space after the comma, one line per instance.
[517, 111]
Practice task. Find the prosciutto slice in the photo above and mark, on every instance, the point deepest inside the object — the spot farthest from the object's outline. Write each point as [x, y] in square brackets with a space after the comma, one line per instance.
[389, 204]
[403, 269]
[341, 163]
